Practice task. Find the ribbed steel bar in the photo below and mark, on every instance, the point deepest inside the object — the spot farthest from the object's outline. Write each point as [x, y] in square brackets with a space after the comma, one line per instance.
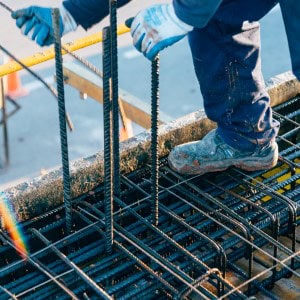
[238, 217]
[274, 219]
[29, 291]
[282, 262]
[154, 255]
[172, 215]
[64, 241]
[135, 258]
[100, 292]
[257, 247]
[184, 293]
[178, 246]
[154, 137]
[244, 230]
[62, 120]
[291, 205]
[39, 267]
[130, 279]
[108, 143]
[289, 117]
[115, 96]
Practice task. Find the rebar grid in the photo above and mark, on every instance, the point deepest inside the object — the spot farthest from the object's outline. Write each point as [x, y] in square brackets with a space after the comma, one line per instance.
[232, 221]
[208, 227]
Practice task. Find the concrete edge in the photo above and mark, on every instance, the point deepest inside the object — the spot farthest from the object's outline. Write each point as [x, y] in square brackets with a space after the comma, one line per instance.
[283, 87]
[37, 196]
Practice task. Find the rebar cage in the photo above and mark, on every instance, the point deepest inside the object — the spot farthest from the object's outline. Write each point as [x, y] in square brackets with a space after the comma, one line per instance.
[154, 234]
[225, 235]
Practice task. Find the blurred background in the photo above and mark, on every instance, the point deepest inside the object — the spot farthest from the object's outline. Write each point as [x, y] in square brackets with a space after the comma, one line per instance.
[34, 131]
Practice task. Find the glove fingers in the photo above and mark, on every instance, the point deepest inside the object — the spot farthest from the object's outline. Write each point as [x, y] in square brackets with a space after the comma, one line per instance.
[138, 44]
[146, 45]
[138, 35]
[21, 21]
[43, 37]
[161, 46]
[35, 31]
[29, 25]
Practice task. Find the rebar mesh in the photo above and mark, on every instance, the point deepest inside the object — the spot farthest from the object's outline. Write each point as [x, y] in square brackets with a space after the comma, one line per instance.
[225, 235]
[215, 232]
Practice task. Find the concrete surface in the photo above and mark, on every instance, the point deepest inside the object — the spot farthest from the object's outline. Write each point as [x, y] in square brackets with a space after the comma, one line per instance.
[33, 131]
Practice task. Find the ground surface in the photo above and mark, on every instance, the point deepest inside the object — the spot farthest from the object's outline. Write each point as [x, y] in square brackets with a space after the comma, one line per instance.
[33, 131]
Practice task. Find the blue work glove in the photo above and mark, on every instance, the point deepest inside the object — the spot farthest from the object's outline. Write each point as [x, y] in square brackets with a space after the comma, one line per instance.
[156, 28]
[36, 23]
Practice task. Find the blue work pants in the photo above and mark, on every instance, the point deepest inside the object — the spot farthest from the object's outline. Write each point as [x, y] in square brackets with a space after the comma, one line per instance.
[226, 55]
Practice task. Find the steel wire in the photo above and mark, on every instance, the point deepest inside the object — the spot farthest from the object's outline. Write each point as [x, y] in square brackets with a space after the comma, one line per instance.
[52, 90]
[77, 57]
[6, 291]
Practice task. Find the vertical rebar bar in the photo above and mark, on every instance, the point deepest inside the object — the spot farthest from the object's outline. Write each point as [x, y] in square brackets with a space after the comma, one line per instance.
[4, 122]
[115, 95]
[108, 151]
[154, 136]
[62, 120]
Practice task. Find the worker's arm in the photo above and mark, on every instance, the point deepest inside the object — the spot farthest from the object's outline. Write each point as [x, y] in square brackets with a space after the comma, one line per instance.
[36, 21]
[89, 12]
[160, 26]
[196, 13]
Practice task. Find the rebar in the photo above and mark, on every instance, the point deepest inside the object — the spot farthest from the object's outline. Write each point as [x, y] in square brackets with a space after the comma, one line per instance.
[154, 136]
[108, 150]
[115, 95]
[233, 213]
[100, 292]
[62, 120]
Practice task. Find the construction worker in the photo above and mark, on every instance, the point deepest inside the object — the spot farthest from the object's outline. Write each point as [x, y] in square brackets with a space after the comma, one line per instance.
[224, 38]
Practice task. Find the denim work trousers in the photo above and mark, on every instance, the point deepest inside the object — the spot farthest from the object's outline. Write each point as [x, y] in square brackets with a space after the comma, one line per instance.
[226, 55]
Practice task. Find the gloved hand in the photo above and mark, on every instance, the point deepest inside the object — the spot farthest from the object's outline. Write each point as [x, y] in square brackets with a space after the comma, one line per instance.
[36, 23]
[156, 28]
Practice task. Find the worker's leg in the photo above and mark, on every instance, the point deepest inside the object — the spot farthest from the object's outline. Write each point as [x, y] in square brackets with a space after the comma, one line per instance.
[226, 56]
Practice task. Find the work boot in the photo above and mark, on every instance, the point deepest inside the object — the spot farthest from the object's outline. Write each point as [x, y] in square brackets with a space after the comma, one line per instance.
[212, 154]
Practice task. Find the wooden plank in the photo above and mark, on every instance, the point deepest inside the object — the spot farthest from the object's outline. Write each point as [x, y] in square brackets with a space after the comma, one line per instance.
[90, 84]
